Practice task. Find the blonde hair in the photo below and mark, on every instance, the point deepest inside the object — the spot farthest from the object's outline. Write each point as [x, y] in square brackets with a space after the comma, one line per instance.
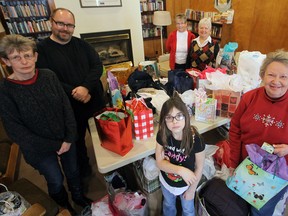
[280, 56]
[205, 22]
[181, 16]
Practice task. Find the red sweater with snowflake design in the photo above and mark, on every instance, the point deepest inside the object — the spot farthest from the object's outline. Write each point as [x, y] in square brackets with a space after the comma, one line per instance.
[258, 119]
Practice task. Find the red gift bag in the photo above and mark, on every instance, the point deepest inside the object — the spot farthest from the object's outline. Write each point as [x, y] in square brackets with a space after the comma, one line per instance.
[142, 118]
[115, 130]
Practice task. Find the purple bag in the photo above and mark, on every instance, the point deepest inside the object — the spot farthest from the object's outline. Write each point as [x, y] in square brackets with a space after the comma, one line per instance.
[112, 81]
[268, 162]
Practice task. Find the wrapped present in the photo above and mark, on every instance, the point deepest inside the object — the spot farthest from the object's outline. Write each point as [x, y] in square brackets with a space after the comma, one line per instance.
[121, 71]
[142, 118]
[227, 102]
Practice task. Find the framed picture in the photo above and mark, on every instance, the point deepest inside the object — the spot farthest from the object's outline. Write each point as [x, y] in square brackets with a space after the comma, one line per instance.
[100, 3]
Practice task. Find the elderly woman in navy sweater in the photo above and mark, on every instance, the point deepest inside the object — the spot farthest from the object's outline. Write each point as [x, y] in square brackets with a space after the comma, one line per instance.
[37, 115]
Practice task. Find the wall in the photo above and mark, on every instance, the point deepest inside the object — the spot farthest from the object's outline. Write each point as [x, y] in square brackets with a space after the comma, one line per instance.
[257, 25]
[109, 19]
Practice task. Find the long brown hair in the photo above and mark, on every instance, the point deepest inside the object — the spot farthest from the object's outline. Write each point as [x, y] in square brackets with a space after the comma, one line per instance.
[189, 131]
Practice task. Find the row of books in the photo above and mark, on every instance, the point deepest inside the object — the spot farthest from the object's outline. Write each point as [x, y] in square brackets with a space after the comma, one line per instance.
[147, 19]
[216, 17]
[151, 32]
[15, 9]
[151, 5]
[31, 26]
[215, 30]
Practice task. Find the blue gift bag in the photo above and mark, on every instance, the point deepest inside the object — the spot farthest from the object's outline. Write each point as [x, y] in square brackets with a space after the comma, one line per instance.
[254, 184]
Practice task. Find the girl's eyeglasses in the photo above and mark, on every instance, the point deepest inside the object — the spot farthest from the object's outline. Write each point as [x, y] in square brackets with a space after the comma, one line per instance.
[178, 117]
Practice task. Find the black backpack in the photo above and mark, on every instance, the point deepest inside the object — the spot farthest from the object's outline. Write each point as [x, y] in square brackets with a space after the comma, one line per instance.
[179, 80]
[139, 79]
[221, 201]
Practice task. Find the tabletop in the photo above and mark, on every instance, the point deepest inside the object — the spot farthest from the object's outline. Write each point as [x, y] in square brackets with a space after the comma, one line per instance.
[108, 161]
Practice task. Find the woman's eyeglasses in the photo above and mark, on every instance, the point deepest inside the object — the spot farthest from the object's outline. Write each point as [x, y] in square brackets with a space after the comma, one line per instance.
[178, 117]
[25, 56]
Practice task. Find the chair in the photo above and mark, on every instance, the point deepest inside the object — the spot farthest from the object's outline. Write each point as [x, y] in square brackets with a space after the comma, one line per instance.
[9, 158]
[41, 203]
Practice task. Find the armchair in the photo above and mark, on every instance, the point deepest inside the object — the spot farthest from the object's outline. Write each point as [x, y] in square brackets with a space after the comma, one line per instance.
[41, 203]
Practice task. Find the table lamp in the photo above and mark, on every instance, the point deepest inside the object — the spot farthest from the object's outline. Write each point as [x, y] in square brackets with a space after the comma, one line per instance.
[161, 18]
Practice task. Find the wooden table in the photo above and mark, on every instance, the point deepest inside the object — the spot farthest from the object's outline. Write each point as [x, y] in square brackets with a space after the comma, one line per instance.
[108, 161]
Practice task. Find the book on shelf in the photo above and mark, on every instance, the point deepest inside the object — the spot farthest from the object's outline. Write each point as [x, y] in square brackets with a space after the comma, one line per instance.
[216, 17]
[151, 5]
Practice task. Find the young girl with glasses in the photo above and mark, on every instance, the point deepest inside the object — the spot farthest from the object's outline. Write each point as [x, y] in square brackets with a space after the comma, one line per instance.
[180, 157]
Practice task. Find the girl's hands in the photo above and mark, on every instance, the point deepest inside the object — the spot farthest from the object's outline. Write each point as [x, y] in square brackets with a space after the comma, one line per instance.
[189, 194]
[188, 176]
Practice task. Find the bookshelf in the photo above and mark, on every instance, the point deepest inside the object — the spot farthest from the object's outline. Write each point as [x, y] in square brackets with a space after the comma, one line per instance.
[221, 23]
[29, 18]
[147, 8]
[151, 33]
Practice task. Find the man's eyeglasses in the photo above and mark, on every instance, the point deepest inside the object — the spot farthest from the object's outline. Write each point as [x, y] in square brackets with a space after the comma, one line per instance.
[178, 117]
[25, 56]
[62, 25]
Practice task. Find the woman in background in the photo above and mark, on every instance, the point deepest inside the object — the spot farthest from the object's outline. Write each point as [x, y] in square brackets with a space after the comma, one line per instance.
[203, 50]
[178, 43]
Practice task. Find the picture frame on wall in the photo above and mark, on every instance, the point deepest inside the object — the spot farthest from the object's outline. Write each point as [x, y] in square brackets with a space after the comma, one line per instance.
[100, 3]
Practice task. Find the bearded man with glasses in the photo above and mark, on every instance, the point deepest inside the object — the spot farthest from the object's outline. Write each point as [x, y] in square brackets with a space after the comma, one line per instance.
[79, 69]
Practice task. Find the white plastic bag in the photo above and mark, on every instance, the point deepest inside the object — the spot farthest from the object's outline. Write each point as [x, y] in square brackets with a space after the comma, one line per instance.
[12, 203]
[249, 67]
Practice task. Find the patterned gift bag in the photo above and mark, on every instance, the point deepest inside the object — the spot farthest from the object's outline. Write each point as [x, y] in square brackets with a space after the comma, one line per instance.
[142, 118]
[205, 108]
[227, 102]
[254, 184]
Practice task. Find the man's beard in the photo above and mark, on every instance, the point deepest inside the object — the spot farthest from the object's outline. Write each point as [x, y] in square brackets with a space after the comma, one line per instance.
[63, 39]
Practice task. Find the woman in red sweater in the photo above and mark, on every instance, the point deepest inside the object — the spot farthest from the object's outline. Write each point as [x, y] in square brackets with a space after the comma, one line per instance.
[178, 43]
[262, 116]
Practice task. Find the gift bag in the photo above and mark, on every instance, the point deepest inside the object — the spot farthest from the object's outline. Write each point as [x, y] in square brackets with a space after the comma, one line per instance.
[115, 130]
[114, 90]
[206, 111]
[143, 126]
[227, 102]
[12, 203]
[179, 80]
[254, 184]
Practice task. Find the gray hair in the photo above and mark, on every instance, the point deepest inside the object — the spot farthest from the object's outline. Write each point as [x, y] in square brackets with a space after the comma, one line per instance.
[205, 22]
[280, 56]
[10, 43]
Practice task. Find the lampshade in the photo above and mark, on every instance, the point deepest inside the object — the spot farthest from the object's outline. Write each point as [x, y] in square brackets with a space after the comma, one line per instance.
[161, 18]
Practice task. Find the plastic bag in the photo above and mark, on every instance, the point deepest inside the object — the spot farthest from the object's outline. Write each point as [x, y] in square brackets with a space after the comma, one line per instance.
[249, 67]
[227, 58]
[12, 203]
[130, 204]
